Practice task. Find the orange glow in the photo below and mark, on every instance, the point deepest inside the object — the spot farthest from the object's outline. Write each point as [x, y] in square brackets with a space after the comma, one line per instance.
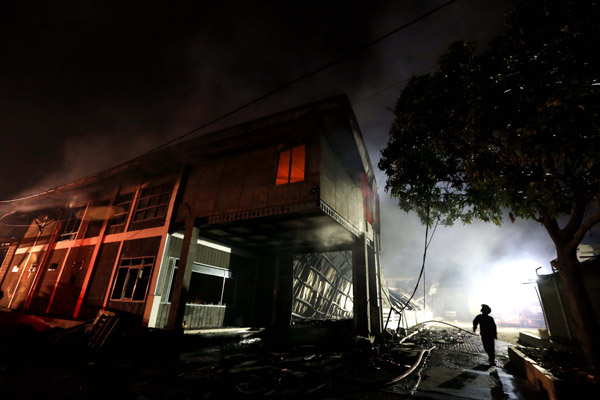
[367, 193]
[283, 169]
[291, 165]
[297, 169]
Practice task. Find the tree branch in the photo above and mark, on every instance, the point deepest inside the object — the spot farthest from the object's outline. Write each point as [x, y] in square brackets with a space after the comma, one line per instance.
[552, 227]
[584, 228]
[575, 221]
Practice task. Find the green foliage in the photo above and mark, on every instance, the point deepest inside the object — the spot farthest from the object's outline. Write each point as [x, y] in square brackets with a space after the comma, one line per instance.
[515, 127]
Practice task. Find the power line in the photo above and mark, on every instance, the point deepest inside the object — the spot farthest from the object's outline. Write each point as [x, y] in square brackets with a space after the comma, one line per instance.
[268, 94]
[393, 85]
[300, 78]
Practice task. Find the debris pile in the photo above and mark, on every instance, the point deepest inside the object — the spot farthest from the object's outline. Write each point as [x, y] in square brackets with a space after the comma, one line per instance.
[567, 366]
[109, 358]
[253, 367]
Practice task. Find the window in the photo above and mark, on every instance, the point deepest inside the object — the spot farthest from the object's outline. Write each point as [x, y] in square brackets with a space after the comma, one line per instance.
[132, 279]
[121, 207]
[153, 202]
[206, 289]
[72, 221]
[210, 285]
[53, 267]
[291, 165]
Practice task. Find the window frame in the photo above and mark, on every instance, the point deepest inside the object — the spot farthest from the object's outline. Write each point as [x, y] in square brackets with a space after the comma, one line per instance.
[290, 165]
[70, 233]
[143, 202]
[127, 265]
[203, 271]
[124, 200]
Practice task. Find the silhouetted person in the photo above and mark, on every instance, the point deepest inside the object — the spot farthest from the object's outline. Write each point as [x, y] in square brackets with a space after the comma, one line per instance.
[487, 329]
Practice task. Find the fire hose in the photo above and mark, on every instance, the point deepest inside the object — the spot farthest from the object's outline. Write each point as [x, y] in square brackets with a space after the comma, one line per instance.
[440, 322]
[412, 368]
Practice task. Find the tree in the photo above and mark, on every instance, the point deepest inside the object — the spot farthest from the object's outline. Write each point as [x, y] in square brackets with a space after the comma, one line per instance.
[514, 127]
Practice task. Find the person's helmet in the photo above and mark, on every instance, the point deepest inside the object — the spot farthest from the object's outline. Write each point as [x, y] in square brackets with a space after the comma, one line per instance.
[485, 309]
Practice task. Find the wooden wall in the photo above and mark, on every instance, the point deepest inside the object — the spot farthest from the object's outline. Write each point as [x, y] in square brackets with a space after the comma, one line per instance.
[71, 281]
[244, 179]
[100, 280]
[196, 316]
[339, 190]
[6, 266]
[22, 276]
[48, 278]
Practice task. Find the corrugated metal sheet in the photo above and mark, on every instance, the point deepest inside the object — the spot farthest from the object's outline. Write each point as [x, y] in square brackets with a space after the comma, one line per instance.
[556, 309]
[196, 316]
[323, 286]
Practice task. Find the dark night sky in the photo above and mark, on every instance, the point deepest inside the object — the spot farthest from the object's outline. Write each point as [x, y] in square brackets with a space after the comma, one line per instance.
[88, 84]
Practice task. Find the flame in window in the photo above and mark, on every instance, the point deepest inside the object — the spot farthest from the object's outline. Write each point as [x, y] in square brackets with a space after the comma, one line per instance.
[291, 165]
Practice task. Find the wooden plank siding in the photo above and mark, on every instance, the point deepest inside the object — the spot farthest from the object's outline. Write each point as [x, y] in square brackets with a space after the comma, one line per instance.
[196, 316]
[7, 263]
[11, 278]
[100, 280]
[71, 281]
[23, 278]
[40, 302]
[203, 316]
[245, 179]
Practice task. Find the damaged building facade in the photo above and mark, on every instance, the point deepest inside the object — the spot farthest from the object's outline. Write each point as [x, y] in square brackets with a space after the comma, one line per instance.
[261, 224]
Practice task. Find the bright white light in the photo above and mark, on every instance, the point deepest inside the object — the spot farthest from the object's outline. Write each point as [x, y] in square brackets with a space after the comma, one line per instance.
[514, 272]
[214, 246]
[507, 287]
[206, 243]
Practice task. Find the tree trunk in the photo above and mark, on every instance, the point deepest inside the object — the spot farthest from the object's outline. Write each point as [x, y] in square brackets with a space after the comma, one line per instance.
[587, 328]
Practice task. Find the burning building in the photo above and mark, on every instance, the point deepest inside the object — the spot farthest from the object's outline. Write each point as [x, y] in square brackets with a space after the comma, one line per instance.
[259, 224]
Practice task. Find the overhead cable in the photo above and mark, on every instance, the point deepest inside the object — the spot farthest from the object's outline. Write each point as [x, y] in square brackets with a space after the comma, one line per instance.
[264, 96]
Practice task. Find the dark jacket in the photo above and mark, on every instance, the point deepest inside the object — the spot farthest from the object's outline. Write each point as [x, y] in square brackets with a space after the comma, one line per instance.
[487, 326]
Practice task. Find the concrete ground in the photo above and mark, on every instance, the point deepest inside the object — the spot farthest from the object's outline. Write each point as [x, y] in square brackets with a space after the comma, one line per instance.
[321, 362]
[460, 370]
[508, 334]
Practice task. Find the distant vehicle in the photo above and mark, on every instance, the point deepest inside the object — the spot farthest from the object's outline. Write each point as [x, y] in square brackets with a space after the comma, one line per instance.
[508, 319]
[525, 317]
[532, 317]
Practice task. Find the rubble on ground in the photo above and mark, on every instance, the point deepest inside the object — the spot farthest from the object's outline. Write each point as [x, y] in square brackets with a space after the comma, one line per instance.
[108, 357]
[567, 366]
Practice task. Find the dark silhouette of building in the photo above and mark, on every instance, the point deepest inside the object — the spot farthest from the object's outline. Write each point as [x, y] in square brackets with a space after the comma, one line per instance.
[266, 221]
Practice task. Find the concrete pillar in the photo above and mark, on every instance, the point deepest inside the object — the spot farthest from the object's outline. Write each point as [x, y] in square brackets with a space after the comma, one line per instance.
[360, 287]
[374, 292]
[284, 289]
[183, 277]
[274, 290]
